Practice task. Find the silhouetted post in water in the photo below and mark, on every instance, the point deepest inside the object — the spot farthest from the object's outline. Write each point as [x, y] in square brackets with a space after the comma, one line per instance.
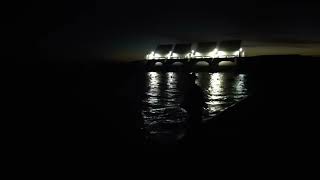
[194, 102]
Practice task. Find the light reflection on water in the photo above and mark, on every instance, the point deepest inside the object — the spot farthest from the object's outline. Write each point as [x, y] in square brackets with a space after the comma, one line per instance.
[164, 93]
[154, 90]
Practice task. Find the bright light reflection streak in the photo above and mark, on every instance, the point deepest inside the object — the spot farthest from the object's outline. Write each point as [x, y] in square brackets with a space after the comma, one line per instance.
[214, 90]
[154, 90]
[171, 78]
[171, 86]
[239, 84]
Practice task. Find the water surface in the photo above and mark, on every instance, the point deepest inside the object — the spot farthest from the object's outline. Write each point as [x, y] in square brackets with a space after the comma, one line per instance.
[164, 91]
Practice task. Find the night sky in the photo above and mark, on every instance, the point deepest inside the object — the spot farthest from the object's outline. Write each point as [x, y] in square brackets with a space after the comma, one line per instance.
[125, 31]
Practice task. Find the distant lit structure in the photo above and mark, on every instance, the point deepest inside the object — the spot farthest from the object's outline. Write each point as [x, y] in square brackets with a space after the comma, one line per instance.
[230, 49]
[181, 51]
[205, 50]
[161, 52]
[223, 49]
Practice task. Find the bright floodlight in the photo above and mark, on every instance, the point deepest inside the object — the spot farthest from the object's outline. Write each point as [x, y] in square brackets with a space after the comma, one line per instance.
[161, 52]
[181, 51]
[197, 54]
[150, 56]
[236, 53]
[230, 48]
[206, 50]
[174, 55]
[221, 54]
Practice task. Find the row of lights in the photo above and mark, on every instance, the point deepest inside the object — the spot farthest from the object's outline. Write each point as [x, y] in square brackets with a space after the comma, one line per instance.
[213, 54]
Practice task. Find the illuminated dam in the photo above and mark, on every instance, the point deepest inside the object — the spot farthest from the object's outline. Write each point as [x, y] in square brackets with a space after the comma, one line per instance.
[190, 54]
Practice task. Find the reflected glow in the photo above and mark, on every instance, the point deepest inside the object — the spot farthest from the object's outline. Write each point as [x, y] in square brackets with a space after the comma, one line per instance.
[171, 78]
[154, 78]
[171, 100]
[223, 89]
[177, 64]
[202, 63]
[226, 63]
[158, 64]
[154, 90]
[239, 84]
[164, 93]
[215, 90]
[215, 84]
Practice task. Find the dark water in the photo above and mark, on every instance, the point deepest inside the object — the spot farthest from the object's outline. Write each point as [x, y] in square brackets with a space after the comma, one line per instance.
[164, 91]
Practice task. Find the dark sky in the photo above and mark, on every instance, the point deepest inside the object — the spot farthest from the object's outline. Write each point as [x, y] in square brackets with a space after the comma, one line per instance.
[122, 30]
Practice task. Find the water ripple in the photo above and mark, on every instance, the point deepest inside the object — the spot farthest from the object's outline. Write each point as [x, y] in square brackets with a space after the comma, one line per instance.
[164, 92]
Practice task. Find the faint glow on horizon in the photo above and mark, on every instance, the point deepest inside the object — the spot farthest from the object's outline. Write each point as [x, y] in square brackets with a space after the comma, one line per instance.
[202, 63]
[158, 64]
[164, 96]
